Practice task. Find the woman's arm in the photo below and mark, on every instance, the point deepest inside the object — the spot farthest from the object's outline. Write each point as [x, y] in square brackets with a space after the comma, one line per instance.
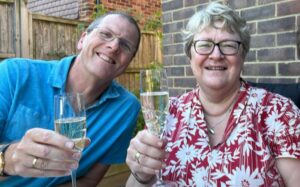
[151, 153]
[289, 168]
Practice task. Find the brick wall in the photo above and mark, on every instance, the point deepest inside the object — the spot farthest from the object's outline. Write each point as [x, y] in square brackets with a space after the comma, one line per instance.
[83, 9]
[275, 40]
[62, 8]
[141, 9]
[86, 9]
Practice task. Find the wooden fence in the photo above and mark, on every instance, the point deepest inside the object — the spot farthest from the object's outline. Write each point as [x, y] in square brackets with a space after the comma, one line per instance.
[7, 30]
[30, 35]
[149, 52]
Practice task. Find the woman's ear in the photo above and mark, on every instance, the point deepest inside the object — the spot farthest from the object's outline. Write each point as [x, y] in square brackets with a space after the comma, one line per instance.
[81, 41]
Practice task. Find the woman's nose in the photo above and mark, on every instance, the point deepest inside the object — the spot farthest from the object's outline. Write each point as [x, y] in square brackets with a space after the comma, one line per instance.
[216, 52]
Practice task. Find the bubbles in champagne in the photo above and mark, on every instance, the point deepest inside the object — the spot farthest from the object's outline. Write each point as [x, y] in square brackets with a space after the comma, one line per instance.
[73, 128]
[155, 106]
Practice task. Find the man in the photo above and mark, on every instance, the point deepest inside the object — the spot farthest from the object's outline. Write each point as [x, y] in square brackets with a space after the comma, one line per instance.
[27, 88]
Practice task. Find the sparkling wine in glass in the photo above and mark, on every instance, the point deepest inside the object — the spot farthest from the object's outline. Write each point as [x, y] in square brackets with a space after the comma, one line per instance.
[70, 120]
[154, 96]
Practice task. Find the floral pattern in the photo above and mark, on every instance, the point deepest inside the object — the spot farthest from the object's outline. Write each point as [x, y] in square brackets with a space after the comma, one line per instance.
[262, 126]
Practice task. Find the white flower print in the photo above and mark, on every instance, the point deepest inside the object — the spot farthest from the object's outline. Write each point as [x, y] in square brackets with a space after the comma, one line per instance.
[171, 122]
[242, 177]
[186, 113]
[230, 156]
[200, 177]
[235, 134]
[186, 154]
[215, 158]
[274, 125]
[238, 111]
[261, 119]
[256, 96]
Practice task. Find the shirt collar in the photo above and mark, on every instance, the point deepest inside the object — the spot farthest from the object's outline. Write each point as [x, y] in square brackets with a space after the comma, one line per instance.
[59, 73]
[58, 77]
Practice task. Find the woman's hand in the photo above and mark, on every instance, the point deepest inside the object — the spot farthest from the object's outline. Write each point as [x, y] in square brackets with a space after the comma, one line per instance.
[145, 155]
[41, 152]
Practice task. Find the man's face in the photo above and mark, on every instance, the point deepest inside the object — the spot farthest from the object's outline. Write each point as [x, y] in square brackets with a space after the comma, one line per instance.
[107, 51]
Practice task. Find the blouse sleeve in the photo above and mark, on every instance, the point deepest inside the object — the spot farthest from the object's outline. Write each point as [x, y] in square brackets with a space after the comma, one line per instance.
[283, 127]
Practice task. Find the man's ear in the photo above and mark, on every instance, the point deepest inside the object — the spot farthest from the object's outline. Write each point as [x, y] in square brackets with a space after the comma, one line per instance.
[81, 40]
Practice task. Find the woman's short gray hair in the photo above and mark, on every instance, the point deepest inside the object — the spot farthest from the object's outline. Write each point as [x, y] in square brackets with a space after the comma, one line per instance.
[208, 17]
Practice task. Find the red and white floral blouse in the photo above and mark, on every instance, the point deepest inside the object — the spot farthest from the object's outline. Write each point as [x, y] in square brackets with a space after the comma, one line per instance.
[262, 126]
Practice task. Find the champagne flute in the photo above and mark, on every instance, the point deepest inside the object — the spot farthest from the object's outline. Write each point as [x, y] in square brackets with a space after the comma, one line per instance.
[154, 96]
[70, 120]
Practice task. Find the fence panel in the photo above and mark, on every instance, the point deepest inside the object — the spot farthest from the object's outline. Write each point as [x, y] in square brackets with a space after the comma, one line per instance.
[53, 38]
[149, 52]
[7, 30]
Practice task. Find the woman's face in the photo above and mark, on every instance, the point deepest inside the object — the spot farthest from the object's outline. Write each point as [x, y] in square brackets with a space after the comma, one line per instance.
[215, 70]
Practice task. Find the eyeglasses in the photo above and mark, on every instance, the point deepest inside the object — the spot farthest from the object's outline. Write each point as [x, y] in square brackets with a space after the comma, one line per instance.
[108, 36]
[226, 47]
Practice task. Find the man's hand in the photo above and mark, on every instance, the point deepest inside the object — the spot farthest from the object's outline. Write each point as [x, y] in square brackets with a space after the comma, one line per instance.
[42, 152]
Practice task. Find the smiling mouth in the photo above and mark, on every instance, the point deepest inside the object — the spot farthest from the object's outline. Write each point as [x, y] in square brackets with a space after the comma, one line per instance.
[105, 58]
[216, 68]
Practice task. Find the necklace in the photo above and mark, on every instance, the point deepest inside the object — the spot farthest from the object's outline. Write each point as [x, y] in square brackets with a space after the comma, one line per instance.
[211, 129]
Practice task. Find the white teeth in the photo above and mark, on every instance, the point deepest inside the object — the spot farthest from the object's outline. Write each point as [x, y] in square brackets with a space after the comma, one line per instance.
[216, 68]
[106, 58]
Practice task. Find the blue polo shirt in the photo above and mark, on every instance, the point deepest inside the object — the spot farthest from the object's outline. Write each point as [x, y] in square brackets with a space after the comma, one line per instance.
[27, 89]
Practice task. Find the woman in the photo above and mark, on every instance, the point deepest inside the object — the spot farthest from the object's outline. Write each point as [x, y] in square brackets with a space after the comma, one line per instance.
[224, 132]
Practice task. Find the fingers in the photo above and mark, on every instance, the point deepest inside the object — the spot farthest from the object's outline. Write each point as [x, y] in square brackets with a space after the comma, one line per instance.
[145, 153]
[148, 145]
[42, 143]
[145, 164]
[49, 137]
[40, 154]
[147, 138]
[28, 165]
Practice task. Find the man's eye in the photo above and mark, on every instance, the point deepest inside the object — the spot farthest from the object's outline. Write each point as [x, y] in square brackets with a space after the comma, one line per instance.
[105, 35]
[126, 47]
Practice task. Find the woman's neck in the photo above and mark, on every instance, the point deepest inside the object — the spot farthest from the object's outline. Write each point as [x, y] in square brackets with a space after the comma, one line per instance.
[216, 103]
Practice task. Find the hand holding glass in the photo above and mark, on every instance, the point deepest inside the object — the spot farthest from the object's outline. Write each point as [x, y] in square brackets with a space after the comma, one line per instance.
[70, 120]
[154, 98]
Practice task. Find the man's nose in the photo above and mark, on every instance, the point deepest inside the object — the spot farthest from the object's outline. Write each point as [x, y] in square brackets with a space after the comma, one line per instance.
[114, 43]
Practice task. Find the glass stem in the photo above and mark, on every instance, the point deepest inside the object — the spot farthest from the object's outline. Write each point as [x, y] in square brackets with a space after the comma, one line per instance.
[159, 175]
[73, 177]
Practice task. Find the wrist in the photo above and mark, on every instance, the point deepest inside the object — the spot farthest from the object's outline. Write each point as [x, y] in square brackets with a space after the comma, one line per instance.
[3, 148]
[143, 181]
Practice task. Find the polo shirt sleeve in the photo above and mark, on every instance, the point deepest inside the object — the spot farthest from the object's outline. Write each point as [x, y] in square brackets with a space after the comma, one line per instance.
[7, 87]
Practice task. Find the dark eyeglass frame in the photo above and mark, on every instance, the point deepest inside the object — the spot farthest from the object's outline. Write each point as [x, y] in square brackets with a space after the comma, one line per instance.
[219, 44]
[108, 36]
